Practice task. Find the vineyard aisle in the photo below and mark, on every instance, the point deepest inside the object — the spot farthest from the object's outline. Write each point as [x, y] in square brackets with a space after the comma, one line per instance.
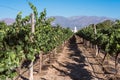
[73, 64]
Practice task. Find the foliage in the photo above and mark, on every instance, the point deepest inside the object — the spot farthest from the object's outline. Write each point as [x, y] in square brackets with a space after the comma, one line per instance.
[107, 37]
[16, 44]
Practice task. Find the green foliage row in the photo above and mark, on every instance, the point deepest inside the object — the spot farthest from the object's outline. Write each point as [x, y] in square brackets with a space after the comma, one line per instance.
[107, 37]
[17, 44]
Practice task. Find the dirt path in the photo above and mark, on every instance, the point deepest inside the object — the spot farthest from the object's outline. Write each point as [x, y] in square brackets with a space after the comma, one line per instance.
[74, 63]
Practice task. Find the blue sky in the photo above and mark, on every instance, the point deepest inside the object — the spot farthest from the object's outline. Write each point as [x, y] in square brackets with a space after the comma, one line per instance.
[67, 8]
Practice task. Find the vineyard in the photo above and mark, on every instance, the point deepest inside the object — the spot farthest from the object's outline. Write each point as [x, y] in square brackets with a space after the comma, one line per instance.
[20, 42]
[32, 41]
[106, 38]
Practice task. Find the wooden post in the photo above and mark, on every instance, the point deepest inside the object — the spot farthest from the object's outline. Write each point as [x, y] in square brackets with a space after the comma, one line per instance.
[32, 30]
[40, 61]
[33, 24]
[116, 62]
[55, 51]
[96, 47]
[31, 71]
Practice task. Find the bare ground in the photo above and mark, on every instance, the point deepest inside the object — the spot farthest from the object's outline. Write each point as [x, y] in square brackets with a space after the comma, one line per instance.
[75, 62]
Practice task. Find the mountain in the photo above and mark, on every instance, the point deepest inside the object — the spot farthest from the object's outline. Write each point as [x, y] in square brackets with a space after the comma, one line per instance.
[79, 21]
[8, 20]
[71, 22]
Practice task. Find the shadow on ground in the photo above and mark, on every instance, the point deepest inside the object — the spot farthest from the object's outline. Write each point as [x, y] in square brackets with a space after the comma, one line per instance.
[76, 70]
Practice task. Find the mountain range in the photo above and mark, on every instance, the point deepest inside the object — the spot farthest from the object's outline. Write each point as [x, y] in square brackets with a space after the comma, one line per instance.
[71, 22]
[8, 20]
[79, 21]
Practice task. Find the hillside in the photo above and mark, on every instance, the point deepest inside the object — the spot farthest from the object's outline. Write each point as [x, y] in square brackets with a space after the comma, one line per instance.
[8, 20]
[78, 21]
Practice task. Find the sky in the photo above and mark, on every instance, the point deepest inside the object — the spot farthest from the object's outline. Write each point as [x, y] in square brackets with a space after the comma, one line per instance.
[66, 8]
